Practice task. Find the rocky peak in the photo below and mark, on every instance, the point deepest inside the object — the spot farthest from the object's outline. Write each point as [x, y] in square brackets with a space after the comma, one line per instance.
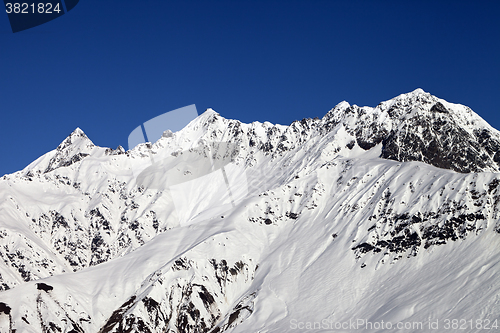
[418, 126]
[73, 149]
[76, 137]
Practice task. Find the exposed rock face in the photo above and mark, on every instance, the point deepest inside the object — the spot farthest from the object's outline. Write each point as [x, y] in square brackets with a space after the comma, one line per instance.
[364, 196]
[421, 127]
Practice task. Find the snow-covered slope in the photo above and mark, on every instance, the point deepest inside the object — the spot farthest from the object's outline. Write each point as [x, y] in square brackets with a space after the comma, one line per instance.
[369, 215]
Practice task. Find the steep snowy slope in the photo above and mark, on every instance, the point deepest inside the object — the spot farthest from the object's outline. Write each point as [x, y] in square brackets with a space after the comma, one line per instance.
[367, 215]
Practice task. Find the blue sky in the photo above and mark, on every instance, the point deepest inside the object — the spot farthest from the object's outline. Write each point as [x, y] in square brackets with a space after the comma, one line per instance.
[108, 66]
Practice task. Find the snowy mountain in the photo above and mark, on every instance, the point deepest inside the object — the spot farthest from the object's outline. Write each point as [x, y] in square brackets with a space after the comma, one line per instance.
[364, 218]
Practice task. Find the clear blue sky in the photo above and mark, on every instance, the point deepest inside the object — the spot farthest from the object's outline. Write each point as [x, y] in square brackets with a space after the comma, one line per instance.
[109, 65]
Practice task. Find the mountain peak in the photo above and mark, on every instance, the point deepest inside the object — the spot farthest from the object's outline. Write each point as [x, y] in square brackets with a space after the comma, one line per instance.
[209, 115]
[418, 126]
[205, 120]
[73, 149]
[78, 132]
[417, 92]
[210, 111]
[76, 136]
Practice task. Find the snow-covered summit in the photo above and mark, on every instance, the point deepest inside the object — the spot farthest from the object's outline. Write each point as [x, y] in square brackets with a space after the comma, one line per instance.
[73, 149]
[418, 126]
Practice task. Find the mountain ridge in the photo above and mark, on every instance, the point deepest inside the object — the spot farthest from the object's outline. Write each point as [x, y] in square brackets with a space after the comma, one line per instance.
[371, 126]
